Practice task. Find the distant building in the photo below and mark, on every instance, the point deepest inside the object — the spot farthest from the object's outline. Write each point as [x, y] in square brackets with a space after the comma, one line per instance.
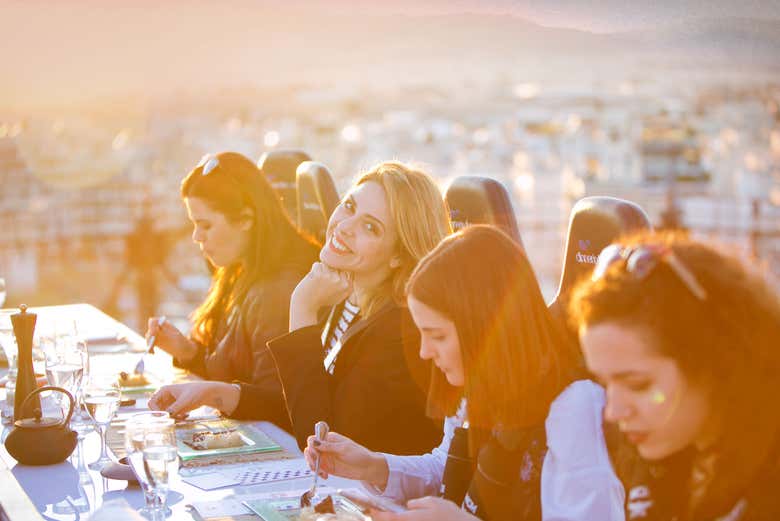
[669, 152]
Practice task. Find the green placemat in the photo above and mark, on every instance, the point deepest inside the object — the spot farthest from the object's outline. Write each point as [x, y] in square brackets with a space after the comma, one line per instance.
[254, 440]
[263, 447]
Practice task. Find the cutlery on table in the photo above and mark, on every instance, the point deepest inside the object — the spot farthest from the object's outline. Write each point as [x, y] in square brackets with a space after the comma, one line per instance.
[139, 367]
[320, 431]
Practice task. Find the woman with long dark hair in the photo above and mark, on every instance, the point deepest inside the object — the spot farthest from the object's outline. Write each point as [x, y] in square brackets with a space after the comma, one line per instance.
[257, 255]
[686, 340]
[506, 373]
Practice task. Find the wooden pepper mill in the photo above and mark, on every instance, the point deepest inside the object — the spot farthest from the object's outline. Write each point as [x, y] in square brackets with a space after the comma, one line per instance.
[24, 326]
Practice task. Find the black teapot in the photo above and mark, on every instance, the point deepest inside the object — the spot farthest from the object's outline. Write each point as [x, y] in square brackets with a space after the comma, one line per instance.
[42, 441]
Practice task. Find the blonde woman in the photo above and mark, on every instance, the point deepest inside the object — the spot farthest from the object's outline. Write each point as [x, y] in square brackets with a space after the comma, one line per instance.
[351, 357]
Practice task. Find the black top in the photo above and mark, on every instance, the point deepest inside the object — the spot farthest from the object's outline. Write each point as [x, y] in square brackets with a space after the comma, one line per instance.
[376, 394]
[660, 491]
[505, 480]
[240, 351]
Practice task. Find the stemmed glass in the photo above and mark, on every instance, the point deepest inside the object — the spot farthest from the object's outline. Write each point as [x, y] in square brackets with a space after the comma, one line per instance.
[101, 399]
[150, 441]
[80, 421]
[8, 344]
[65, 367]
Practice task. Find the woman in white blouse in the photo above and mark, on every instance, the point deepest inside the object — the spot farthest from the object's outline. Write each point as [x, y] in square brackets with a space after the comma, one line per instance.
[522, 434]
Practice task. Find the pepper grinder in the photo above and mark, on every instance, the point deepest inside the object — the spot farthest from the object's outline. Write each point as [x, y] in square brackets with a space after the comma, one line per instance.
[24, 326]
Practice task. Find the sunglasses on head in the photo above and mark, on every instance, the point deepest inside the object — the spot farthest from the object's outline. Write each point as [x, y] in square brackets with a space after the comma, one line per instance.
[641, 260]
[209, 162]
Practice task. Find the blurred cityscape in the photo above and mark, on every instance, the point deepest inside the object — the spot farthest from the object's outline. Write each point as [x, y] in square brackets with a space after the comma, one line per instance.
[90, 198]
[683, 119]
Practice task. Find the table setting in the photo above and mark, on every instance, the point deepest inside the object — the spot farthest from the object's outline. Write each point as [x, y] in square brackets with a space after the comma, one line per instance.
[103, 445]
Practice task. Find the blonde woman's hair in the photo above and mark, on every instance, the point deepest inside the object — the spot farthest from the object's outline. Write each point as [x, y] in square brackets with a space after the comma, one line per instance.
[421, 220]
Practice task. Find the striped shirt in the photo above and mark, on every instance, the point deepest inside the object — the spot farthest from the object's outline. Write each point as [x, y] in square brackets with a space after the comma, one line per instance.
[349, 315]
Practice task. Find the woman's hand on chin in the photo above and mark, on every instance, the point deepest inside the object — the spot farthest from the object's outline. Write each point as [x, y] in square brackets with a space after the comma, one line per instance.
[321, 287]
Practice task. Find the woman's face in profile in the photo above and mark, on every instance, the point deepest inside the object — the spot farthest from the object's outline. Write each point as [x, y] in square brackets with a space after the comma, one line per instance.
[223, 242]
[361, 236]
[653, 402]
[439, 341]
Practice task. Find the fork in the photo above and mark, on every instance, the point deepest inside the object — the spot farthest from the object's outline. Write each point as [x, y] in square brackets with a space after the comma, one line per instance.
[139, 367]
[320, 431]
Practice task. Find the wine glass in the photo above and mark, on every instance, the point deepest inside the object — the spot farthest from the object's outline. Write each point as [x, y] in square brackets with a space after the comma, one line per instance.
[65, 368]
[101, 399]
[8, 345]
[150, 441]
[80, 422]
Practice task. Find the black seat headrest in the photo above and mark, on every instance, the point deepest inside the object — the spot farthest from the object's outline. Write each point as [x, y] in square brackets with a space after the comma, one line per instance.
[317, 198]
[481, 200]
[278, 166]
[595, 223]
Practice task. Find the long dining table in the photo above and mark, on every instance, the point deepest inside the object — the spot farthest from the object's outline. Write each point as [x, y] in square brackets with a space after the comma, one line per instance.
[66, 492]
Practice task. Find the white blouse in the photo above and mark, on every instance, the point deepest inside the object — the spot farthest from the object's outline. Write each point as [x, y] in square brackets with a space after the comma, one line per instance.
[577, 483]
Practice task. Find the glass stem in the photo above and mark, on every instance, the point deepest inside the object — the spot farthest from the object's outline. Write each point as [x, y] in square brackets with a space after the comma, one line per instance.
[81, 464]
[103, 450]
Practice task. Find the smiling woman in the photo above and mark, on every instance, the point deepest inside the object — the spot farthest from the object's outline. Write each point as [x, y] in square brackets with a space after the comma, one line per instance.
[257, 255]
[351, 356]
[522, 434]
[685, 339]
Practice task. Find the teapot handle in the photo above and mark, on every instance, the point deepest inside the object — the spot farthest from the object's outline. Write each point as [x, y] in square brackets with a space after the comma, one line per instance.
[57, 389]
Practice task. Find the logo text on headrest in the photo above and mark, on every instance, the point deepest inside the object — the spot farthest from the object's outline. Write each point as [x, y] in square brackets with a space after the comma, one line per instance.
[459, 225]
[584, 258]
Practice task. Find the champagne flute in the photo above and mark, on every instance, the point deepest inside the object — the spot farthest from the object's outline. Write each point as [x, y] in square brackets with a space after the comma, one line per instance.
[102, 401]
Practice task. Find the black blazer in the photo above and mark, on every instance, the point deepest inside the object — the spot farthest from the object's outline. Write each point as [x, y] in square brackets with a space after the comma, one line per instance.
[376, 394]
[240, 353]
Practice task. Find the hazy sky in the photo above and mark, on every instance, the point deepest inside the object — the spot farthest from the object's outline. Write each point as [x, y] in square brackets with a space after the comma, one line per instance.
[595, 15]
[66, 49]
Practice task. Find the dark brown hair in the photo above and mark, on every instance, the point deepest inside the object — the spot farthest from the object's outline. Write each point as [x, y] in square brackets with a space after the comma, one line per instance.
[515, 358]
[729, 342]
[233, 187]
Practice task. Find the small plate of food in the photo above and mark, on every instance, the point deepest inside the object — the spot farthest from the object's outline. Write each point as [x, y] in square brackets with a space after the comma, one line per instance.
[198, 439]
[333, 507]
[136, 383]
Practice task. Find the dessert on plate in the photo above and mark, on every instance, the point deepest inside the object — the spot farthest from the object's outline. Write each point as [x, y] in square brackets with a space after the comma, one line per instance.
[215, 439]
[132, 380]
[325, 511]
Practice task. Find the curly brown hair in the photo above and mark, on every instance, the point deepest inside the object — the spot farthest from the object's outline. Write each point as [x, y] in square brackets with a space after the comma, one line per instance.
[729, 342]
